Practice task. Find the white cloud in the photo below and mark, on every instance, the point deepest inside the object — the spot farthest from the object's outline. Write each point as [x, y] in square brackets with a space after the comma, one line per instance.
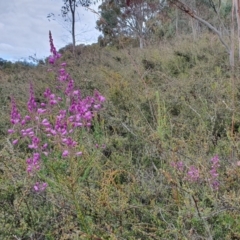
[24, 28]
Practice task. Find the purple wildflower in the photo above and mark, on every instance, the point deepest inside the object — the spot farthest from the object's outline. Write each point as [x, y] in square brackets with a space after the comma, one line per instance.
[35, 143]
[214, 173]
[39, 187]
[193, 174]
[65, 153]
[14, 142]
[32, 105]
[99, 97]
[55, 54]
[15, 115]
[178, 165]
[10, 131]
[33, 163]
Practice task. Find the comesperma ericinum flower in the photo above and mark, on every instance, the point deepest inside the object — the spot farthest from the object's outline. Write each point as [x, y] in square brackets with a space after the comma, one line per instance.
[10, 131]
[193, 174]
[14, 142]
[214, 173]
[15, 115]
[55, 120]
[65, 153]
[32, 105]
[39, 187]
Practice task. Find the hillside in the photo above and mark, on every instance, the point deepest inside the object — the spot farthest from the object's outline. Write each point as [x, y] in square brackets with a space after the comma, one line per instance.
[159, 161]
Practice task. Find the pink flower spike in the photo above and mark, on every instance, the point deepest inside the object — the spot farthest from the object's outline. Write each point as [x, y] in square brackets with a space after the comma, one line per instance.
[47, 93]
[23, 122]
[41, 110]
[97, 106]
[53, 102]
[77, 124]
[78, 153]
[15, 115]
[63, 64]
[40, 187]
[88, 115]
[32, 104]
[44, 185]
[44, 145]
[35, 143]
[51, 60]
[31, 134]
[64, 132]
[36, 186]
[28, 130]
[75, 92]
[14, 142]
[10, 131]
[193, 174]
[53, 132]
[65, 153]
[74, 143]
[102, 99]
[71, 118]
[55, 54]
[27, 118]
[99, 97]
[52, 96]
[46, 123]
[29, 169]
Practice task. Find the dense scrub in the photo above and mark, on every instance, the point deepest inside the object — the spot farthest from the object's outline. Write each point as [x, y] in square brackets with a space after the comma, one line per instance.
[166, 164]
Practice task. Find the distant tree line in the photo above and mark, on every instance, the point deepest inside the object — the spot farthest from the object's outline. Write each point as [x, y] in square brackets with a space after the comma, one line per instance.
[4, 64]
[143, 22]
[149, 20]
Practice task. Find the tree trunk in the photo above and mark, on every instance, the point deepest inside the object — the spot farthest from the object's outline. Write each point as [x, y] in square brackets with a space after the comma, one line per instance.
[194, 31]
[237, 8]
[193, 22]
[232, 37]
[141, 42]
[191, 13]
[140, 34]
[72, 8]
[177, 20]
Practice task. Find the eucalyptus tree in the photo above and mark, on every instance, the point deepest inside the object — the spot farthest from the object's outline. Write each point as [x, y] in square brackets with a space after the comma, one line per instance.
[128, 18]
[224, 32]
[69, 8]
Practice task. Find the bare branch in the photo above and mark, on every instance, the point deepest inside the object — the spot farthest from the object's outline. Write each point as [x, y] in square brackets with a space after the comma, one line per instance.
[183, 7]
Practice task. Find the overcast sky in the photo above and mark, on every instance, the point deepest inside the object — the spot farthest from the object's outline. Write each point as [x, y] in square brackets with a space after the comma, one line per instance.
[24, 28]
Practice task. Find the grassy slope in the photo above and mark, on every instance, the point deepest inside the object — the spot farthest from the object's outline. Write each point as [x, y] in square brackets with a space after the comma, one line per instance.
[165, 104]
